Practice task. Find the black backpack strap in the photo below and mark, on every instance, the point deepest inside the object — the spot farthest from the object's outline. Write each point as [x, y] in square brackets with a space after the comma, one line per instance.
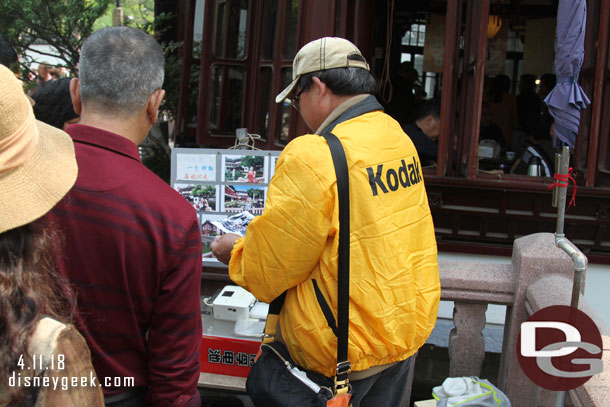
[273, 317]
[340, 161]
[342, 329]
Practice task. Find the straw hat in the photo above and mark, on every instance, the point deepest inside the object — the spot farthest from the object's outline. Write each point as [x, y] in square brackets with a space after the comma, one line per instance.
[37, 162]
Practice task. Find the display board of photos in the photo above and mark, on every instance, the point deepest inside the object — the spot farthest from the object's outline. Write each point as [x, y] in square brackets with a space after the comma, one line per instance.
[220, 183]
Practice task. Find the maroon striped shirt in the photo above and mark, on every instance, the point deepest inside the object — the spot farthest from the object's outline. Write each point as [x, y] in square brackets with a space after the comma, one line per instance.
[132, 253]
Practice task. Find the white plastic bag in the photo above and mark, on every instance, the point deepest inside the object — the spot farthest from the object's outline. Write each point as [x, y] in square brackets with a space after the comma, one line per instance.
[469, 391]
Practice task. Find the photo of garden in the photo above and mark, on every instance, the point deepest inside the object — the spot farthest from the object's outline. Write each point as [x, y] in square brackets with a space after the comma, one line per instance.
[239, 198]
[202, 197]
[244, 168]
[208, 232]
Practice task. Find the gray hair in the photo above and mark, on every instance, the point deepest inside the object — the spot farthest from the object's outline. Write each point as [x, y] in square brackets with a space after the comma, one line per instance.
[119, 68]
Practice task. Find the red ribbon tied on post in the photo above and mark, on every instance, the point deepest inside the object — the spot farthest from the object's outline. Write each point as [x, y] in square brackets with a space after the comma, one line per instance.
[562, 181]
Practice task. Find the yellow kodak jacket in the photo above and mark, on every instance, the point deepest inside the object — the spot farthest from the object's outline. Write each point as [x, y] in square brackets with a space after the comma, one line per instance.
[394, 280]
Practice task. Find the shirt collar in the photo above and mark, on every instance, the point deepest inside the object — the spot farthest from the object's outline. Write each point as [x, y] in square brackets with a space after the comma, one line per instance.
[94, 136]
[353, 107]
[339, 110]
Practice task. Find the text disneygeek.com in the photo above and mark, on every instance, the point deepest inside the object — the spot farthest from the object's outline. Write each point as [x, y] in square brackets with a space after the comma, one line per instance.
[65, 383]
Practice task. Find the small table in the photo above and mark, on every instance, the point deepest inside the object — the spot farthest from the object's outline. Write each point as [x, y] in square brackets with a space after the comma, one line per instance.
[222, 382]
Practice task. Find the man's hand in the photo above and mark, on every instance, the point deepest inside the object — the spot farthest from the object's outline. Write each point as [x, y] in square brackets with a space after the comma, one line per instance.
[222, 246]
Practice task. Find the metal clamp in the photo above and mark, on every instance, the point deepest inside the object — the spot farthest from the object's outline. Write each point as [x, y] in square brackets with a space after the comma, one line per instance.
[344, 367]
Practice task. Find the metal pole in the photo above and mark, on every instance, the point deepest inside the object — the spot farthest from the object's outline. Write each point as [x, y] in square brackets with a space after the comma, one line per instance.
[557, 171]
[561, 399]
[562, 165]
[534, 399]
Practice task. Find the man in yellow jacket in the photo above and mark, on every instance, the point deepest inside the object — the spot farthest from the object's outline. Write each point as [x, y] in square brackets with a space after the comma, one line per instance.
[292, 246]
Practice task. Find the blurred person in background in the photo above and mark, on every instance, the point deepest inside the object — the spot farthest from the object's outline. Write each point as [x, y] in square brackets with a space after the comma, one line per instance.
[44, 72]
[425, 130]
[528, 105]
[503, 108]
[8, 55]
[57, 72]
[547, 83]
[490, 130]
[54, 104]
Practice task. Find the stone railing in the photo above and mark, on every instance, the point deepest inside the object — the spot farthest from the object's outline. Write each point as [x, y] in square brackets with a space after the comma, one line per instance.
[540, 275]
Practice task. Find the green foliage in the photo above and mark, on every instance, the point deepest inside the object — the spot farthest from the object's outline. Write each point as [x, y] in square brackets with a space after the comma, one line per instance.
[203, 190]
[209, 190]
[256, 193]
[173, 72]
[63, 24]
[253, 161]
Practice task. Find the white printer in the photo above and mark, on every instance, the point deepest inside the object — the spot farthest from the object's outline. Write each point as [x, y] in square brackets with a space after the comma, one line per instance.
[234, 303]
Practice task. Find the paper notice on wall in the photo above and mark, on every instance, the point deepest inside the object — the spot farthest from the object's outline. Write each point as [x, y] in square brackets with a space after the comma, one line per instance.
[196, 167]
[539, 46]
[434, 44]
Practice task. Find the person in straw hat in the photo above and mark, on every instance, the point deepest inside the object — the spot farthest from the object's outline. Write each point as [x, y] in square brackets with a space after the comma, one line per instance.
[132, 243]
[37, 168]
[292, 246]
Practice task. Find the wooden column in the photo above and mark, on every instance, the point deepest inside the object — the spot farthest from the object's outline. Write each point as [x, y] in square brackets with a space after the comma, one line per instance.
[187, 61]
[451, 61]
[474, 68]
[601, 67]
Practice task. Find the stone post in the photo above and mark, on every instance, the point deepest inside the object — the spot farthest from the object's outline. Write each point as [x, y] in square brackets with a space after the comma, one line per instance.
[466, 341]
[534, 256]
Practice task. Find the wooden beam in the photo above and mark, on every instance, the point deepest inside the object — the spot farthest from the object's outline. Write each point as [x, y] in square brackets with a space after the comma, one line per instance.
[601, 67]
[481, 17]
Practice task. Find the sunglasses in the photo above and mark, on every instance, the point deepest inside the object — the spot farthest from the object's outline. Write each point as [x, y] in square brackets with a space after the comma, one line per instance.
[295, 100]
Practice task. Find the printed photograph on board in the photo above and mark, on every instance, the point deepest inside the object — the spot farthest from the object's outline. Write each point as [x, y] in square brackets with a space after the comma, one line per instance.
[208, 232]
[235, 223]
[204, 198]
[239, 198]
[196, 167]
[272, 164]
[244, 168]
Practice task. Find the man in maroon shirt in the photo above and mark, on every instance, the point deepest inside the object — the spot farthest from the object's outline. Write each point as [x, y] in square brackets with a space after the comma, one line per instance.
[132, 248]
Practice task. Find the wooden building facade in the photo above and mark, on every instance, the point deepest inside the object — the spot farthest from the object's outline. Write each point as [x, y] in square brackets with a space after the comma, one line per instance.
[237, 55]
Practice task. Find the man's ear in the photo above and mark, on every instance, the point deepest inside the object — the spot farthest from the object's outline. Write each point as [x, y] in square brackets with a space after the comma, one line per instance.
[75, 95]
[154, 101]
[319, 86]
[430, 121]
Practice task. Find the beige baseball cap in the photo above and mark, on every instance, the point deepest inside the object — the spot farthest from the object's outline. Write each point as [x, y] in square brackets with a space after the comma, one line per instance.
[321, 54]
